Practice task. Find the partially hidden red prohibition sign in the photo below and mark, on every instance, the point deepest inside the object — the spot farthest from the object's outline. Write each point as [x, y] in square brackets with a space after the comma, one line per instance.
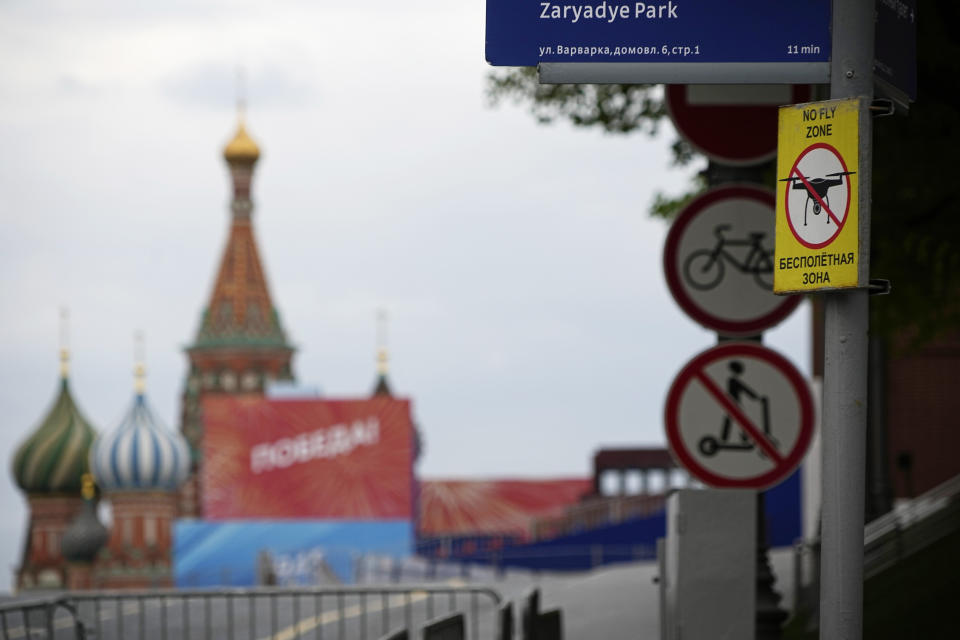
[730, 129]
[817, 197]
[739, 415]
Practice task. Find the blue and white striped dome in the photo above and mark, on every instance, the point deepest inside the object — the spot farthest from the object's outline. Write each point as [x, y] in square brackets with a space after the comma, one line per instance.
[140, 455]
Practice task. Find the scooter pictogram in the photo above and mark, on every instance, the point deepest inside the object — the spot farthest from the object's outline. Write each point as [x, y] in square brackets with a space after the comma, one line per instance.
[710, 445]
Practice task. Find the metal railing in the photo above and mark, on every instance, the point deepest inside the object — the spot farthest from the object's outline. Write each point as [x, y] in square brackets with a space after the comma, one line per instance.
[910, 527]
[597, 512]
[39, 618]
[914, 510]
[319, 613]
[491, 565]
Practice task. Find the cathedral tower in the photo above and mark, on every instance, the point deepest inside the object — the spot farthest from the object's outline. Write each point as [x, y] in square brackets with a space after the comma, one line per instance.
[49, 467]
[240, 345]
[139, 466]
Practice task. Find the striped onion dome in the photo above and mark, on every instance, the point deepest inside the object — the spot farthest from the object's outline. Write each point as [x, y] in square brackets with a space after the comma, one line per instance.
[140, 455]
[54, 458]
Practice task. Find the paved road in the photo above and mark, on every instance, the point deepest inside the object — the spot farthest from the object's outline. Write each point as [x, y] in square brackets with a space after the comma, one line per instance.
[623, 601]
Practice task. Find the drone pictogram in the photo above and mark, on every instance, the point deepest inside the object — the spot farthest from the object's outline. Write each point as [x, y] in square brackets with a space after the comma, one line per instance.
[817, 190]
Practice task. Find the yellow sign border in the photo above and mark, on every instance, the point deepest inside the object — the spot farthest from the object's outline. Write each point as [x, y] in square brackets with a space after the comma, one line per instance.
[836, 264]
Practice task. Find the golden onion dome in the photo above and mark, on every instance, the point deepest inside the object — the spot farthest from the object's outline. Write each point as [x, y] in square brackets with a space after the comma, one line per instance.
[242, 148]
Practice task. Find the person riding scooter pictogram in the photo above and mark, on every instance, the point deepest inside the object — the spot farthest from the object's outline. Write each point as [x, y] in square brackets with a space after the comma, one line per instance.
[736, 389]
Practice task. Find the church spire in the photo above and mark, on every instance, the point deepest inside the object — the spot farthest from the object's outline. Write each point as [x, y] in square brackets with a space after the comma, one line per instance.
[241, 154]
[382, 387]
[241, 345]
[64, 344]
[241, 311]
[139, 369]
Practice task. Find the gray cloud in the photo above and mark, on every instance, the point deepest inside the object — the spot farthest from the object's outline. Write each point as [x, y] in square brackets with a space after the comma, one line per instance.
[216, 85]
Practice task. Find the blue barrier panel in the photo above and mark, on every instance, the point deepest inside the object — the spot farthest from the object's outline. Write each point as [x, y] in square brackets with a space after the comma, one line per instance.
[226, 553]
[784, 507]
[627, 541]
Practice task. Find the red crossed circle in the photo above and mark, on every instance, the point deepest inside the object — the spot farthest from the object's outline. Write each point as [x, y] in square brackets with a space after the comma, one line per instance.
[785, 464]
[789, 185]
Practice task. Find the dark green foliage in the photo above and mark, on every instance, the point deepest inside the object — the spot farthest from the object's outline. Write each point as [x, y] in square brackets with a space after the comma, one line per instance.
[616, 108]
[916, 190]
[668, 208]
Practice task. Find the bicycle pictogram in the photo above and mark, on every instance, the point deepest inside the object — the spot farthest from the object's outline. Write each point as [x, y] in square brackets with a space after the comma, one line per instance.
[704, 268]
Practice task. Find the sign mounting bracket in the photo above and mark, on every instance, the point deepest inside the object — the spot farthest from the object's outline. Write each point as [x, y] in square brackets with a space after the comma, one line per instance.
[684, 73]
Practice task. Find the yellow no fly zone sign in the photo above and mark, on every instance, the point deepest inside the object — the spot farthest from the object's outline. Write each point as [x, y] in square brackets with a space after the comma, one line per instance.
[818, 226]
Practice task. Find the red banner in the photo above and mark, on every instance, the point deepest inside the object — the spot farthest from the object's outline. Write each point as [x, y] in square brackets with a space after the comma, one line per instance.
[280, 458]
[460, 507]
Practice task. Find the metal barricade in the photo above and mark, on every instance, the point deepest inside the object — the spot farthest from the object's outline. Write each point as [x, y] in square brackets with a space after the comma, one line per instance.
[331, 613]
[40, 619]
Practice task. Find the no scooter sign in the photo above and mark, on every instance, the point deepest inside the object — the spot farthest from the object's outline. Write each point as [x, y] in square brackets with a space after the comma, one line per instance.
[739, 415]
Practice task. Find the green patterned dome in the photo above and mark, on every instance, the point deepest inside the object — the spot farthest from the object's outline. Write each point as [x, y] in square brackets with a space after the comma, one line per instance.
[54, 458]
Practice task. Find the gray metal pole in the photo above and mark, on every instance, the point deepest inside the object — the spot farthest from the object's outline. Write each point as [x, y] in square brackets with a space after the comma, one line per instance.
[844, 466]
[845, 358]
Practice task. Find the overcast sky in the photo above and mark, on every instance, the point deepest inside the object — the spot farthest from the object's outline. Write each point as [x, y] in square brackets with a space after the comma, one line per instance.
[529, 318]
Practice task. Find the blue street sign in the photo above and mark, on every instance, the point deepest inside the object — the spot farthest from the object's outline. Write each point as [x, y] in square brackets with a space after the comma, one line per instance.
[896, 49]
[523, 33]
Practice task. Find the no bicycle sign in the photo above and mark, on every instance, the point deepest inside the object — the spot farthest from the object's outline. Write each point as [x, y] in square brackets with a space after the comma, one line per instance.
[718, 261]
[818, 224]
